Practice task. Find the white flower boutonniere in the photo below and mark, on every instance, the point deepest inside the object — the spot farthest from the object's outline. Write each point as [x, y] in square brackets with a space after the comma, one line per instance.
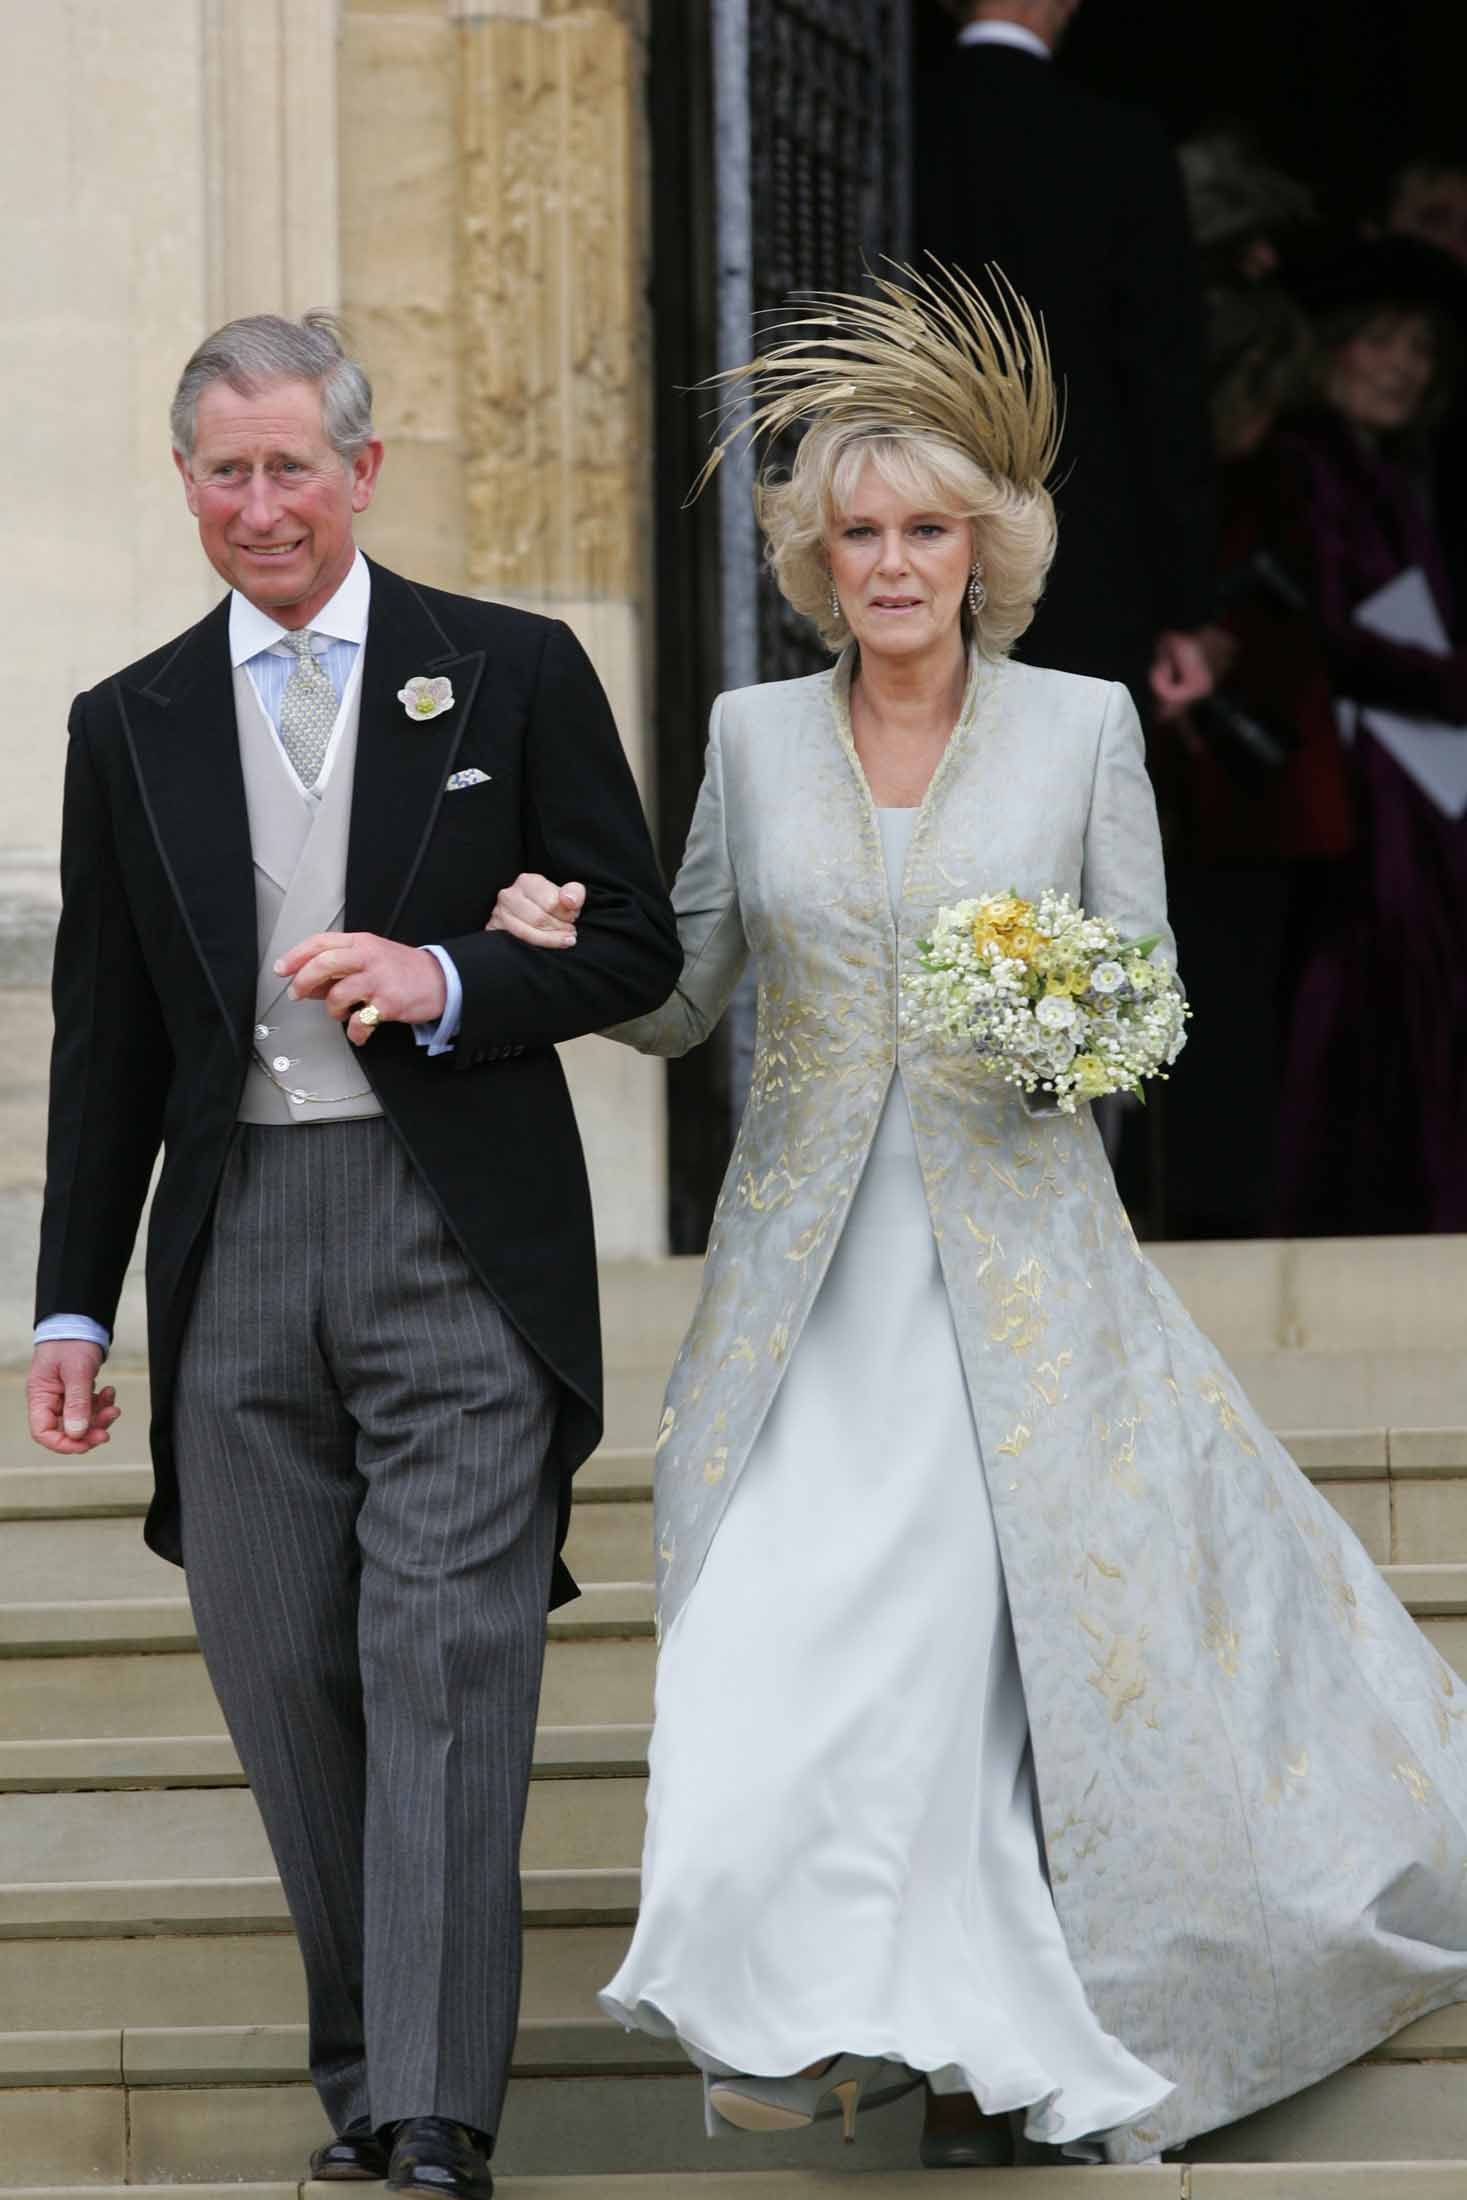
[423, 698]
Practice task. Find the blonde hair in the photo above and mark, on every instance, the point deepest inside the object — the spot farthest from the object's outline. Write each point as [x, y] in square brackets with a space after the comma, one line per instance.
[1013, 528]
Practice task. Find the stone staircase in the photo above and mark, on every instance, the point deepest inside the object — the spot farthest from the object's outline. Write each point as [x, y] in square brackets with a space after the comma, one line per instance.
[150, 1993]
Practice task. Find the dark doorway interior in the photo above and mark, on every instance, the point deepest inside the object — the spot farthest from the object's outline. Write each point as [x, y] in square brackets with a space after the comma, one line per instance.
[1339, 92]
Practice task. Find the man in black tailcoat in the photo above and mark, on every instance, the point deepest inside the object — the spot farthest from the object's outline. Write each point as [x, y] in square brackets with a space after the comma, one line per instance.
[373, 1328]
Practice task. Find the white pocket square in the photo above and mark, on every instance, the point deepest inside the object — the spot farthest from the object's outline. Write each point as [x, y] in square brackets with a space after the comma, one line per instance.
[471, 778]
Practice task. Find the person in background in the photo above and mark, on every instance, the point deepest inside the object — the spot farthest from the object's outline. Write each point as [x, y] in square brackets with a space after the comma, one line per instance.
[1242, 209]
[1256, 790]
[1374, 1135]
[1427, 199]
[1079, 201]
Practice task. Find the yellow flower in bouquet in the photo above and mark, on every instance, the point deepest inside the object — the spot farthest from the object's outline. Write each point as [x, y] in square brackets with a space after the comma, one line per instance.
[1092, 1076]
[1067, 979]
[1005, 922]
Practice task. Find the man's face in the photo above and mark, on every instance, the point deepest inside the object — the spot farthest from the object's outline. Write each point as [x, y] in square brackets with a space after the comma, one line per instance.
[273, 500]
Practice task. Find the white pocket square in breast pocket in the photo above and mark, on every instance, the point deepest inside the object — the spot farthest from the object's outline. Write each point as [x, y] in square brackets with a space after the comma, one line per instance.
[471, 778]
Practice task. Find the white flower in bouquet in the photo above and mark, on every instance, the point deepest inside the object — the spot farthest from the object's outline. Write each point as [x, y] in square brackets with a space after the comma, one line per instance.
[1046, 997]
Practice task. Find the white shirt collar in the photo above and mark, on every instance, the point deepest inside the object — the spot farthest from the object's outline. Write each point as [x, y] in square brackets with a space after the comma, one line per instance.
[1005, 34]
[344, 618]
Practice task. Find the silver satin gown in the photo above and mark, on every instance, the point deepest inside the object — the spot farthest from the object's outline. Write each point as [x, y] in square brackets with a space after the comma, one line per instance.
[840, 1856]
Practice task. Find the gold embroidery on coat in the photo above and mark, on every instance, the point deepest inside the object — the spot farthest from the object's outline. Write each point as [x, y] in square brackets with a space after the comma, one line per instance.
[992, 1250]
[1092, 1562]
[1447, 1714]
[1231, 1421]
[1219, 1636]
[1122, 1461]
[1018, 1436]
[1120, 1675]
[1047, 1379]
[1414, 1781]
[1342, 1593]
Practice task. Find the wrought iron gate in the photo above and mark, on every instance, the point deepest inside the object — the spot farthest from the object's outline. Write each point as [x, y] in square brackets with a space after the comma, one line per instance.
[781, 162]
[828, 193]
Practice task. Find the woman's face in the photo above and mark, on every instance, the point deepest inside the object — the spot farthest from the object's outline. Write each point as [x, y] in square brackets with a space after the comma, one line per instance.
[1379, 378]
[900, 570]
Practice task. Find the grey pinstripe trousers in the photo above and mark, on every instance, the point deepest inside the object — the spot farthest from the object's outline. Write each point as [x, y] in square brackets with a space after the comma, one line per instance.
[368, 1525]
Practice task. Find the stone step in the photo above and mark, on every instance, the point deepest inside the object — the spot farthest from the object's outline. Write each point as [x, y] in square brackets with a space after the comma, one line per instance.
[275, 2054]
[47, 1767]
[65, 1489]
[589, 1681]
[610, 2128]
[604, 1611]
[229, 1908]
[92, 1859]
[188, 1980]
[79, 1557]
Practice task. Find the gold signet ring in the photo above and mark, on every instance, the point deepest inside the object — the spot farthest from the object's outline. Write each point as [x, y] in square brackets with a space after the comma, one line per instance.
[369, 1014]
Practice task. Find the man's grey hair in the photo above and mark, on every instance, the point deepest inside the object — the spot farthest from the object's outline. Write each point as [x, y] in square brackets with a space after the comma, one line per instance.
[263, 348]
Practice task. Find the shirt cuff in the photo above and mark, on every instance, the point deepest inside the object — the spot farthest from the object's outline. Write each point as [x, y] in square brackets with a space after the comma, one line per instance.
[438, 1038]
[80, 1326]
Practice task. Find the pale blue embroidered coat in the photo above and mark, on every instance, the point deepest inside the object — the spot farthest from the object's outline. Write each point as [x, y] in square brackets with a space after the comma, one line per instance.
[1252, 1766]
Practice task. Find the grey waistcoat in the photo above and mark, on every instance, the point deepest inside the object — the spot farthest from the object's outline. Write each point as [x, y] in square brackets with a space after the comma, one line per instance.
[299, 849]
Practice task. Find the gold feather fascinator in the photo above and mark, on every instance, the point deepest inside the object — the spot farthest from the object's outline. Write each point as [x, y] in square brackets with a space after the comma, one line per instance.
[928, 354]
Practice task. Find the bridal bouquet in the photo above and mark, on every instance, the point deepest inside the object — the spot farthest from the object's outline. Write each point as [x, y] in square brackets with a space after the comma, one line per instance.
[1046, 997]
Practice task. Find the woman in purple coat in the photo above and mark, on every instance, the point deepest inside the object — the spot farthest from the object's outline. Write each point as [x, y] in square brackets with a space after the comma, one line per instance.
[1374, 1120]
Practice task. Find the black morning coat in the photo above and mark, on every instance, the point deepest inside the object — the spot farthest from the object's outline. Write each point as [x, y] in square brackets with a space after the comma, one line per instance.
[1079, 200]
[156, 966]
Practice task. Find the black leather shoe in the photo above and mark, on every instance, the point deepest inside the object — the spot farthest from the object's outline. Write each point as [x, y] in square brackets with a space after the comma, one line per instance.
[430, 2154]
[356, 2154]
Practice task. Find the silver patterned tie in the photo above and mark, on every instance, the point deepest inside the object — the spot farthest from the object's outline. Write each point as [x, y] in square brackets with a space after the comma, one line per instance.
[307, 709]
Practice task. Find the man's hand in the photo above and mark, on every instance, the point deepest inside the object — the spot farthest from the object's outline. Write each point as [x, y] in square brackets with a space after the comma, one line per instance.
[538, 912]
[347, 969]
[1180, 675]
[67, 1412]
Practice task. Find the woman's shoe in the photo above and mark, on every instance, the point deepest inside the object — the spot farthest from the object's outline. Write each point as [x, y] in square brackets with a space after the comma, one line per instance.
[957, 2135]
[788, 2104]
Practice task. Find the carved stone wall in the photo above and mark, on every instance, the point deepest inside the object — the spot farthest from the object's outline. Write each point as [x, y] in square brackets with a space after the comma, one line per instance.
[493, 239]
[555, 359]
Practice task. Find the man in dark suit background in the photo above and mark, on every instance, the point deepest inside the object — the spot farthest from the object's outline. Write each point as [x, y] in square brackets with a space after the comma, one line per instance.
[373, 1331]
[1079, 200]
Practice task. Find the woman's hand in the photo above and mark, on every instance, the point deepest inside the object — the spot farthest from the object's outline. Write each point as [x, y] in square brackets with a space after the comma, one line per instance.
[537, 912]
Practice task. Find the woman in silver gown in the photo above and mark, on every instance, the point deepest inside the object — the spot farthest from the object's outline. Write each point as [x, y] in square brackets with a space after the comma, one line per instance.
[1024, 1717]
